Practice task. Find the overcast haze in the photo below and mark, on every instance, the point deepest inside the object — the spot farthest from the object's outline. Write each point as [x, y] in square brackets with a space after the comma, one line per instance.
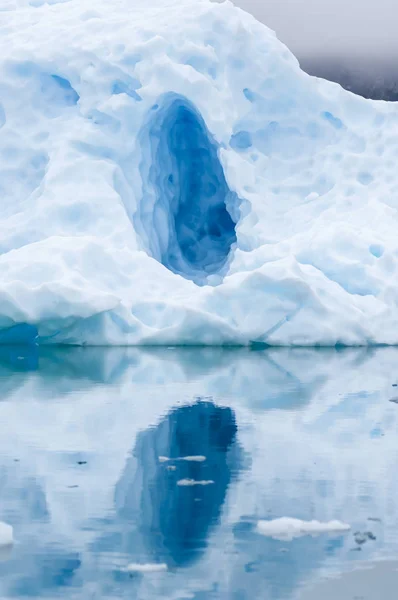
[352, 41]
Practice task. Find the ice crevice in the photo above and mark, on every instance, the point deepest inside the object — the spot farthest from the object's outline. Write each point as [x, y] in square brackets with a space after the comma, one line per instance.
[187, 214]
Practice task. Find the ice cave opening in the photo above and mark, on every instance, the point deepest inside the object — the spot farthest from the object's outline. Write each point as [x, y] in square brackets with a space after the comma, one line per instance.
[188, 212]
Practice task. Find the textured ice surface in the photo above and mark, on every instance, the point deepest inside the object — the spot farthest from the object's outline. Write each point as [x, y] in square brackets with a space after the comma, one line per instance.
[169, 175]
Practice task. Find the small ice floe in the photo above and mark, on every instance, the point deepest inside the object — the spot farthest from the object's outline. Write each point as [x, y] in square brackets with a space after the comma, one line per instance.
[287, 529]
[187, 482]
[6, 535]
[186, 458]
[146, 567]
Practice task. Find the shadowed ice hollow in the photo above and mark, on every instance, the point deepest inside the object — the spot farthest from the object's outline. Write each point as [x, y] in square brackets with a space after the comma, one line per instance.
[185, 206]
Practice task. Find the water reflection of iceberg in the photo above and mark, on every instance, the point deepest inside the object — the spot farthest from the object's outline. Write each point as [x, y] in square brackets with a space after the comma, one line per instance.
[316, 458]
[174, 521]
[52, 567]
[265, 379]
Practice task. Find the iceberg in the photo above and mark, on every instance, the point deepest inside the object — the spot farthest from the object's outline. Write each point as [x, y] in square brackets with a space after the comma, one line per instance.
[170, 176]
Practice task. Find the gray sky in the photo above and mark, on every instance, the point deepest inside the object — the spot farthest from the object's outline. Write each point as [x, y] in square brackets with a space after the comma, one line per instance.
[353, 42]
[360, 28]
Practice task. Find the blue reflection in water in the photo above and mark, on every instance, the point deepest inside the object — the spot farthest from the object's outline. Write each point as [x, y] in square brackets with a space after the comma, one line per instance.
[19, 358]
[79, 523]
[56, 569]
[174, 520]
[276, 568]
[51, 567]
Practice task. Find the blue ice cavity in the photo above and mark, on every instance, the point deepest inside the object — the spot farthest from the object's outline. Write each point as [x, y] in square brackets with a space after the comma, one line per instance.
[241, 140]
[334, 121]
[377, 250]
[188, 227]
[58, 90]
[22, 333]
[129, 88]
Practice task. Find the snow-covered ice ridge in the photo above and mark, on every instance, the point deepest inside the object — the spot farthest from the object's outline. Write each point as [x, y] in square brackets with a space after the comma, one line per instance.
[169, 175]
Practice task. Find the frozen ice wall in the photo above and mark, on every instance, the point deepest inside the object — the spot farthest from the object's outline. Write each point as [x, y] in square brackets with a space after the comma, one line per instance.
[169, 175]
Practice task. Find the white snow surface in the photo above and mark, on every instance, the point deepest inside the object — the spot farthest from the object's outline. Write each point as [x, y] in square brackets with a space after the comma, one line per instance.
[287, 528]
[6, 534]
[87, 219]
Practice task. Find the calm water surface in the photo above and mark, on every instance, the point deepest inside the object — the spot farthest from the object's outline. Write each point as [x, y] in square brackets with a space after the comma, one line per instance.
[94, 475]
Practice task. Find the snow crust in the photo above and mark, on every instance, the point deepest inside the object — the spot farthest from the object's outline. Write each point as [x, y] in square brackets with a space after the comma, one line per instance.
[286, 528]
[169, 175]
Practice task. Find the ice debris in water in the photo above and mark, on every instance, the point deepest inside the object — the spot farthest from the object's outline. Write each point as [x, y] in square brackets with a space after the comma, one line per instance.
[186, 458]
[362, 537]
[146, 567]
[191, 482]
[186, 183]
[6, 534]
[287, 528]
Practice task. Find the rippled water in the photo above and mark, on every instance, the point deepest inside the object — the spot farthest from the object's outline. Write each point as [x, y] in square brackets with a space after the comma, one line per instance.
[111, 458]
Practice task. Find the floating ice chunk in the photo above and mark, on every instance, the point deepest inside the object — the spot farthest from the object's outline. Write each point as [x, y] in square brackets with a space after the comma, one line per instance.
[194, 458]
[146, 567]
[6, 534]
[188, 482]
[287, 528]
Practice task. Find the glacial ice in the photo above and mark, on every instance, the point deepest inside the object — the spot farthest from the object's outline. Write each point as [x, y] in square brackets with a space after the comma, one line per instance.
[189, 229]
[169, 176]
